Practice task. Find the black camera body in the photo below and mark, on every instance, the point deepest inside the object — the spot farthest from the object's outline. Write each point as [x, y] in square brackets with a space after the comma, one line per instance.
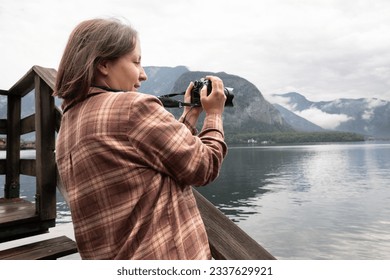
[198, 85]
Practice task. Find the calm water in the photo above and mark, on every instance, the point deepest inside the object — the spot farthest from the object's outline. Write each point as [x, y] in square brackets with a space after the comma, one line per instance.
[310, 202]
[302, 202]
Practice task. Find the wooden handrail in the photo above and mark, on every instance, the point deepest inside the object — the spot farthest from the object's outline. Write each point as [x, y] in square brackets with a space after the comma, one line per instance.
[227, 240]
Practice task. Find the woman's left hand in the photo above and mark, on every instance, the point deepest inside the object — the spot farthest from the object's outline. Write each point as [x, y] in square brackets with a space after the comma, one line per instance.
[191, 114]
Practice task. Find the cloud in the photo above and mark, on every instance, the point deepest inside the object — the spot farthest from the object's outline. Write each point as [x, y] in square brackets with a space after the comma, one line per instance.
[282, 100]
[312, 114]
[371, 104]
[368, 114]
[323, 49]
[323, 119]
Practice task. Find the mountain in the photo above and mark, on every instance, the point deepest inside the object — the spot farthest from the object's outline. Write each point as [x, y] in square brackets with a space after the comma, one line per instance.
[297, 122]
[250, 113]
[367, 116]
[161, 79]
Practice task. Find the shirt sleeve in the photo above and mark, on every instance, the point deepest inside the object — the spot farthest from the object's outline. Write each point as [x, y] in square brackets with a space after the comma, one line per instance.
[169, 147]
[193, 129]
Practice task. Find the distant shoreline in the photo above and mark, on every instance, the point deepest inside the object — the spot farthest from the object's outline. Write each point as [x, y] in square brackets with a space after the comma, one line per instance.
[269, 138]
[275, 138]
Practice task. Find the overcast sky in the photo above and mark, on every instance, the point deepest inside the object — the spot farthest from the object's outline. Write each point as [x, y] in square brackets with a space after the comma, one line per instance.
[321, 49]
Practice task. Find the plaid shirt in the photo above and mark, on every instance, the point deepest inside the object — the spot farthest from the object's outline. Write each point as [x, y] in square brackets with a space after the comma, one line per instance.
[128, 167]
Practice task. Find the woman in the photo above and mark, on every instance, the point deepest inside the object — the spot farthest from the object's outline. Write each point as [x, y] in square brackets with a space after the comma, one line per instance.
[128, 164]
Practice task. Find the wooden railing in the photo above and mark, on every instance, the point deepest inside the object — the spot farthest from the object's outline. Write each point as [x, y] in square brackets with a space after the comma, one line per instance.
[29, 218]
[227, 240]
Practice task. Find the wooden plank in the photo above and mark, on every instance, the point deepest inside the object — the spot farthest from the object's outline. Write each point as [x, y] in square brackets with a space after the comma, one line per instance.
[45, 146]
[42, 250]
[12, 185]
[3, 166]
[3, 92]
[18, 219]
[24, 85]
[25, 228]
[227, 240]
[14, 210]
[28, 167]
[27, 124]
[48, 75]
[3, 126]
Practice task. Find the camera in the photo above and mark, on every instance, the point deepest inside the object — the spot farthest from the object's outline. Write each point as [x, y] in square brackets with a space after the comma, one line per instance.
[169, 102]
[198, 85]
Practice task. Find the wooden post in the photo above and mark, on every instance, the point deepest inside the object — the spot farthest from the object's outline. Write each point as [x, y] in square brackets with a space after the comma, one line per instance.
[12, 184]
[45, 145]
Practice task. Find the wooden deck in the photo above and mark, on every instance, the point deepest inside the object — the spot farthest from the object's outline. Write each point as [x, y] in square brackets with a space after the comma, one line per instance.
[18, 219]
[48, 249]
[15, 209]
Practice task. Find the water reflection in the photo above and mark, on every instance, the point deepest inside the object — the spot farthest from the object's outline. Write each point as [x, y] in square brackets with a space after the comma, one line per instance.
[233, 192]
[250, 172]
[310, 202]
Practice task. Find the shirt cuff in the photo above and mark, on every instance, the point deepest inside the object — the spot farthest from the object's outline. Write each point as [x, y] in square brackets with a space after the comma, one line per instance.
[213, 125]
[193, 129]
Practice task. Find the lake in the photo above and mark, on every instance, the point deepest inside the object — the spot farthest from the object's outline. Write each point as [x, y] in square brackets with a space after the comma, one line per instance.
[310, 201]
[329, 201]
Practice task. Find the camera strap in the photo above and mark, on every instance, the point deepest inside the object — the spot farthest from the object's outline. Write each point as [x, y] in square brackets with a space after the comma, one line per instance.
[169, 102]
[166, 99]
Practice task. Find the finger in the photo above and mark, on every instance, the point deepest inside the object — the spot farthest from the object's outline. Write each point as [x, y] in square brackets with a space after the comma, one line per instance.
[216, 82]
[203, 91]
[215, 78]
[187, 95]
[189, 88]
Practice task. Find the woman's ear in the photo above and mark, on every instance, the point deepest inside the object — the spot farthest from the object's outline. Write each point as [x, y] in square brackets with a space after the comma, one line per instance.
[102, 67]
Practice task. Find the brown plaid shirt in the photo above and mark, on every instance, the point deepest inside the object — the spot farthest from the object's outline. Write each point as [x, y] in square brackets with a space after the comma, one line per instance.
[128, 167]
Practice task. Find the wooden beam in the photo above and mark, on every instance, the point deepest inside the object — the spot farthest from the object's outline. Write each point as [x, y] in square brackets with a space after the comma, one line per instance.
[27, 167]
[3, 166]
[48, 249]
[15, 210]
[18, 219]
[45, 146]
[48, 75]
[227, 240]
[3, 126]
[27, 124]
[24, 85]
[12, 184]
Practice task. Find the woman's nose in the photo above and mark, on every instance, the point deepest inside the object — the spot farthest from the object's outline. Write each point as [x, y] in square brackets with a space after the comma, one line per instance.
[143, 76]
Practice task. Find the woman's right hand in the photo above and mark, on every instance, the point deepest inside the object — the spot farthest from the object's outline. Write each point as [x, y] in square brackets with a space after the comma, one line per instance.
[214, 103]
